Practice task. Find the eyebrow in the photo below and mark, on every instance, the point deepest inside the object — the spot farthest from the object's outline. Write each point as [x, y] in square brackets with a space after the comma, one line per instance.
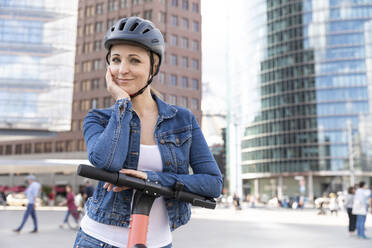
[132, 54]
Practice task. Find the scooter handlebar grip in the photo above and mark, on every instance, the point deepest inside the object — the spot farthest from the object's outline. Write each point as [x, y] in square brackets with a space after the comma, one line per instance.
[97, 174]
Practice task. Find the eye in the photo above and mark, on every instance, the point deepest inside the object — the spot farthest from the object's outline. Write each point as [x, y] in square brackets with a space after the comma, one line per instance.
[133, 60]
[115, 60]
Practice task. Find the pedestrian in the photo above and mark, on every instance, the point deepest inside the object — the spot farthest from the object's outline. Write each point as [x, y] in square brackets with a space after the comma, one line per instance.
[333, 203]
[349, 199]
[144, 137]
[88, 190]
[32, 192]
[71, 207]
[236, 200]
[360, 208]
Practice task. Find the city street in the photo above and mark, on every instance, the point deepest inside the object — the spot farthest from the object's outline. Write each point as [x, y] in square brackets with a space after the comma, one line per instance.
[223, 228]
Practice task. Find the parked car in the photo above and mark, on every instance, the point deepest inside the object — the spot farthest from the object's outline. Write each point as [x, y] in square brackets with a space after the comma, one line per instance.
[19, 199]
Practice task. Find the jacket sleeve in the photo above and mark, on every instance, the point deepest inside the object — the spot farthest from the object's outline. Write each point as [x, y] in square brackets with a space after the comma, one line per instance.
[103, 142]
[207, 178]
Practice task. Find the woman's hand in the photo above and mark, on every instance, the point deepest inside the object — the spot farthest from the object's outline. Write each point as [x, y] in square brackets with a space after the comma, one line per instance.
[112, 87]
[133, 173]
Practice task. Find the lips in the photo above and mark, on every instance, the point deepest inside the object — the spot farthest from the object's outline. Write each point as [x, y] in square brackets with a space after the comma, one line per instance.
[124, 80]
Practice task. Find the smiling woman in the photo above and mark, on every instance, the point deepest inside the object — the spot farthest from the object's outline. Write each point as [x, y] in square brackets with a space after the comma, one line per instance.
[144, 137]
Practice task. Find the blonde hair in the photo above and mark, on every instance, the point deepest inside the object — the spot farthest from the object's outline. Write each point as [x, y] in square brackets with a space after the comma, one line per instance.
[156, 93]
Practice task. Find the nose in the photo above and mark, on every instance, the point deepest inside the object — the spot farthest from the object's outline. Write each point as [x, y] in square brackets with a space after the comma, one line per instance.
[124, 68]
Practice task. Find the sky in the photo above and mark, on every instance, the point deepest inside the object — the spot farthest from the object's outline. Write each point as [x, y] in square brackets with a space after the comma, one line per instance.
[213, 50]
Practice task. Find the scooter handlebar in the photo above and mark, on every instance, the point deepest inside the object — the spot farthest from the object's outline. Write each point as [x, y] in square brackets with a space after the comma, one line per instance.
[146, 186]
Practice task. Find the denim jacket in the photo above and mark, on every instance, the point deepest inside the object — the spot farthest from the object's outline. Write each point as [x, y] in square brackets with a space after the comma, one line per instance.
[113, 143]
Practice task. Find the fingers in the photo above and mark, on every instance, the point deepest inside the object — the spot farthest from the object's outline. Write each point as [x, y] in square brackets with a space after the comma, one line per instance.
[118, 189]
[108, 186]
[134, 173]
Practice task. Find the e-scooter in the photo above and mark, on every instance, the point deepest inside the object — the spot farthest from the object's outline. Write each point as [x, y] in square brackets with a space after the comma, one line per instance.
[146, 193]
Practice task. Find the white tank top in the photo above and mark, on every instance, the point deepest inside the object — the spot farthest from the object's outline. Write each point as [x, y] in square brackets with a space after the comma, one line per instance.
[159, 233]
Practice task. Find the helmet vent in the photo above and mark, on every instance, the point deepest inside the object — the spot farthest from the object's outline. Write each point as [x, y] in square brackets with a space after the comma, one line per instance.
[146, 30]
[133, 27]
[121, 27]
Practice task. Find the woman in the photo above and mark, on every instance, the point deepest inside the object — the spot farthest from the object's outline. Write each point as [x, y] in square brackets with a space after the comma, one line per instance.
[71, 207]
[349, 199]
[360, 208]
[144, 137]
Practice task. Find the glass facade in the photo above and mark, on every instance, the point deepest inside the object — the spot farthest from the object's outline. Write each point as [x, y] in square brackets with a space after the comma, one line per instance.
[307, 76]
[37, 40]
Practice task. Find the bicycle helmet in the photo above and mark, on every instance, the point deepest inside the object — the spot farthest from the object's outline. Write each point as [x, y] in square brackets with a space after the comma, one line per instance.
[137, 31]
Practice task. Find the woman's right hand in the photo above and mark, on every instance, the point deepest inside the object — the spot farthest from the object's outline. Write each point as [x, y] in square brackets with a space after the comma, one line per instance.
[112, 87]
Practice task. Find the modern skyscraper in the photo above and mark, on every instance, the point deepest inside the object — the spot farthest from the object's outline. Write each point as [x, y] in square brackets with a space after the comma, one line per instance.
[179, 80]
[36, 66]
[305, 84]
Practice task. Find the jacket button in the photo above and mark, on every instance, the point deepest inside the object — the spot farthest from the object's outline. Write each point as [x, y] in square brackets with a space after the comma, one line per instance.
[177, 141]
[170, 204]
[169, 163]
[162, 141]
[174, 226]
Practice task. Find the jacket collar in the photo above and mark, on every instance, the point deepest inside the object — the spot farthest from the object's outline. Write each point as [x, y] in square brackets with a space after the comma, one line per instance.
[166, 111]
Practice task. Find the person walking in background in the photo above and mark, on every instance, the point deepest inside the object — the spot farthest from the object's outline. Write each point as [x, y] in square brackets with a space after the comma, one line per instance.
[31, 192]
[349, 199]
[71, 207]
[333, 203]
[236, 200]
[360, 208]
[88, 191]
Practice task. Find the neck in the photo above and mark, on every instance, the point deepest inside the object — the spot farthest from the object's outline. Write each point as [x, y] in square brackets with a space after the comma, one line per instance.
[144, 103]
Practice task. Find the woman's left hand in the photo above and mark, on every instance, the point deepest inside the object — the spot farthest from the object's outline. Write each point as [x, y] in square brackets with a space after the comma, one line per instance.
[129, 172]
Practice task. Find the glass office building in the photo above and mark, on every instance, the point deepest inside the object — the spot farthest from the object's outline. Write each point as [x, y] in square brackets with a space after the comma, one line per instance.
[37, 40]
[306, 83]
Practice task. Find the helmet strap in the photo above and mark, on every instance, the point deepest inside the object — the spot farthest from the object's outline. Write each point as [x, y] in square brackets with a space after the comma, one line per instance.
[151, 77]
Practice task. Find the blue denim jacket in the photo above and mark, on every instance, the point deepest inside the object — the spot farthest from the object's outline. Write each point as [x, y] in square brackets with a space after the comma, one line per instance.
[113, 143]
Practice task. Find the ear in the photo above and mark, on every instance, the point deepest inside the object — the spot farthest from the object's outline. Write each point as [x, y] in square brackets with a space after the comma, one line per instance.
[156, 62]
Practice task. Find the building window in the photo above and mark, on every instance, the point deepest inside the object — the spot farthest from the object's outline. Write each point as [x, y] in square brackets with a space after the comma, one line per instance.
[48, 147]
[96, 64]
[87, 66]
[175, 3]
[97, 45]
[75, 106]
[89, 11]
[174, 40]
[185, 43]
[195, 45]
[81, 13]
[28, 148]
[95, 84]
[81, 124]
[174, 20]
[84, 105]
[81, 145]
[195, 84]
[111, 6]
[135, 2]
[94, 103]
[60, 146]
[85, 85]
[174, 59]
[107, 101]
[80, 31]
[185, 82]
[18, 149]
[99, 27]
[184, 101]
[195, 64]
[161, 77]
[99, 9]
[172, 99]
[185, 62]
[195, 7]
[123, 4]
[162, 17]
[195, 26]
[87, 47]
[173, 80]
[194, 103]
[69, 146]
[185, 23]
[147, 14]
[89, 29]
[185, 4]
[38, 147]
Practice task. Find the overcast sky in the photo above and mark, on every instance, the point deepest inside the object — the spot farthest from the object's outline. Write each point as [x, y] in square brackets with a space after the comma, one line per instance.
[213, 44]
